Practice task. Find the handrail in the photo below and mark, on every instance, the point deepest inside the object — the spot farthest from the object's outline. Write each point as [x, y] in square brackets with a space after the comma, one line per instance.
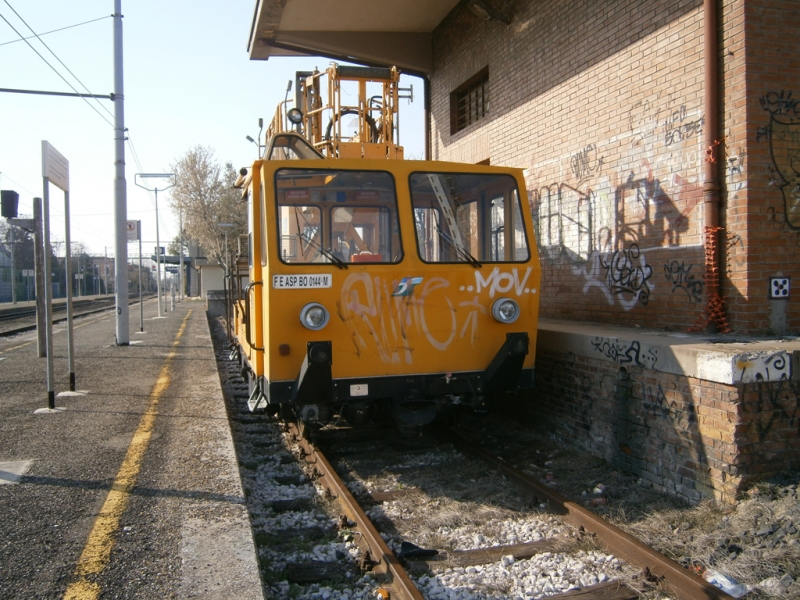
[247, 315]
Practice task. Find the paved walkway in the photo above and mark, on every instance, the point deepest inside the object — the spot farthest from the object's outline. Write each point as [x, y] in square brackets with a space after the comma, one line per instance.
[132, 490]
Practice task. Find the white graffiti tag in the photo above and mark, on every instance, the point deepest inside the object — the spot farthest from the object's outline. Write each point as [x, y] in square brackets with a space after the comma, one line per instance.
[498, 282]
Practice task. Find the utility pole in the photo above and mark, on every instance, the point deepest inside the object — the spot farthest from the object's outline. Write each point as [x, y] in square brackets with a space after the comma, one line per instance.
[120, 188]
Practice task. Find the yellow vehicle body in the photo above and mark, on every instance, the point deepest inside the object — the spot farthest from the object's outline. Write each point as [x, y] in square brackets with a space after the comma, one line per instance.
[410, 322]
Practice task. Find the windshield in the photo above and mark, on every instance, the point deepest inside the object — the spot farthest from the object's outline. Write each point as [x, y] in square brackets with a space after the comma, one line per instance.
[337, 216]
[467, 217]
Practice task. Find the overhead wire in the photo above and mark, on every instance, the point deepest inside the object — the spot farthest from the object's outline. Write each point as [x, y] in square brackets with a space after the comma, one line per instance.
[64, 79]
[38, 37]
[56, 30]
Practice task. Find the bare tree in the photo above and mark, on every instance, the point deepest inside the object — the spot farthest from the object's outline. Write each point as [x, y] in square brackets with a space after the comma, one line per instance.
[203, 194]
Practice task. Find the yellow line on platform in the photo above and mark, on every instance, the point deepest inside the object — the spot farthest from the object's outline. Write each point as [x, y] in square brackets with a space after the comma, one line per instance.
[16, 347]
[97, 552]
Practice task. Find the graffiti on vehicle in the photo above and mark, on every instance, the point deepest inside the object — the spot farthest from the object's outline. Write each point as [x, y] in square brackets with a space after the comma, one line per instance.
[388, 323]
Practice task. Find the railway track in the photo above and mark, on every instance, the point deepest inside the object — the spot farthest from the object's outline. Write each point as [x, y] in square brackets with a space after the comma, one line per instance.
[352, 517]
[22, 319]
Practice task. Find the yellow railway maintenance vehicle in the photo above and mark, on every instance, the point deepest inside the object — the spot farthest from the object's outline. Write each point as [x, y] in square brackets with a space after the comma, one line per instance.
[376, 285]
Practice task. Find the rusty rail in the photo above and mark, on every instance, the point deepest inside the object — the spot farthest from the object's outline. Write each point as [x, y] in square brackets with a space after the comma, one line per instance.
[682, 583]
[375, 550]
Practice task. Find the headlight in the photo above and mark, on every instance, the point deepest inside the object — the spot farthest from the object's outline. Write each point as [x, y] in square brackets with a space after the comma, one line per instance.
[505, 310]
[314, 316]
[295, 115]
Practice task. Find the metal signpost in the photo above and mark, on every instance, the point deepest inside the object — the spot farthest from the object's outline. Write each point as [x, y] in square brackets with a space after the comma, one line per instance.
[134, 234]
[55, 170]
[158, 240]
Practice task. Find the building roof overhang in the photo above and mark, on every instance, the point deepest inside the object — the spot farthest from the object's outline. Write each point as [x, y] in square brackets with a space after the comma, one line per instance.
[373, 32]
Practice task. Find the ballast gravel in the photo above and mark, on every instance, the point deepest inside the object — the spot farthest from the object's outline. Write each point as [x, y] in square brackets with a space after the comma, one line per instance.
[544, 574]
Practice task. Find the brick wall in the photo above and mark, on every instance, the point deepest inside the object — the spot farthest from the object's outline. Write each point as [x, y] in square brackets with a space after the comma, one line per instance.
[771, 215]
[687, 437]
[601, 103]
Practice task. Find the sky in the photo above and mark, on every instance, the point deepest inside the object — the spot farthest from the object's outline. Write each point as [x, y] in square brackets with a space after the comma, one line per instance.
[188, 81]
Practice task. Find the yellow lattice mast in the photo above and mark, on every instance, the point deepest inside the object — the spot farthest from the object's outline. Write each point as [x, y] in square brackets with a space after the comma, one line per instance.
[324, 117]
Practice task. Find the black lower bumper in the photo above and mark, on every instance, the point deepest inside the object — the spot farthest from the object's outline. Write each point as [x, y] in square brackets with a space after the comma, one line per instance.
[401, 387]
[316, 385]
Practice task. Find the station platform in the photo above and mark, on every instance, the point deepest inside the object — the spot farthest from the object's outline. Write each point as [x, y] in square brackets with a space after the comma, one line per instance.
[130, 488]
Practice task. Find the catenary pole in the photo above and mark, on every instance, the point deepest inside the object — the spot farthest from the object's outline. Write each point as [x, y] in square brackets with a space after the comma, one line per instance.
[120, 191]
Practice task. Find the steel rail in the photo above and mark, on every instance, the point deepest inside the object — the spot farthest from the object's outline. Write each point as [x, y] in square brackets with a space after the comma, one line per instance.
[21, 311]
[25, 328]
[384, 560]
[683, 583]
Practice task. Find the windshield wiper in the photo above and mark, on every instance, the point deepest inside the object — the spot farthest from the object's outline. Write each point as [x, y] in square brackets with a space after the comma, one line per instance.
[328, 254]
[461, 251]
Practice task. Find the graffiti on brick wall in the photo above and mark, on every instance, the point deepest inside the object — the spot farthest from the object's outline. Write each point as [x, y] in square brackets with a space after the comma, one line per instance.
[735, 169]
[613, 202]
[655, 404]
[776, 407]
[785, 147]
[645, 213]
[656, 426]
[734, 255]
[626, 353]
[623, 276]
[658, 187]
[563, 215]
[680, 275]
[586, 163]
[777, 219]
[764, 367]
[783, 135]
[780, 103]
[562, 378]
[679, 127]
[628, 274]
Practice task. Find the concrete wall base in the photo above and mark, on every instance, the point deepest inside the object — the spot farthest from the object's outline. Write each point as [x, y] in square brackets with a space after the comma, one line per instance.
[698, 416]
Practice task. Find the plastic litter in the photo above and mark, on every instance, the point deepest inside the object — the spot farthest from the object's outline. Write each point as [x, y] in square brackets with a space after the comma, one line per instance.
[726, 583]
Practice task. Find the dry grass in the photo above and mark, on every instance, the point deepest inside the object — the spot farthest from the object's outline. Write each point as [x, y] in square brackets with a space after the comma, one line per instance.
[719, 537]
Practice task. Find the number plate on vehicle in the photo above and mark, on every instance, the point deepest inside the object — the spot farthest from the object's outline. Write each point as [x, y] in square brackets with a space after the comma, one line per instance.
[359, 389]
[301, 282]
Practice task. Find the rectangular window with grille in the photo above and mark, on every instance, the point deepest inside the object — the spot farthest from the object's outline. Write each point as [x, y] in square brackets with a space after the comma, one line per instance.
[469, 102]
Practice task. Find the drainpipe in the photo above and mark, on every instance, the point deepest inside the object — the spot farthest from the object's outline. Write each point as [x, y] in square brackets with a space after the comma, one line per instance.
[710, 183]
[426, 92]
[715, 314]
